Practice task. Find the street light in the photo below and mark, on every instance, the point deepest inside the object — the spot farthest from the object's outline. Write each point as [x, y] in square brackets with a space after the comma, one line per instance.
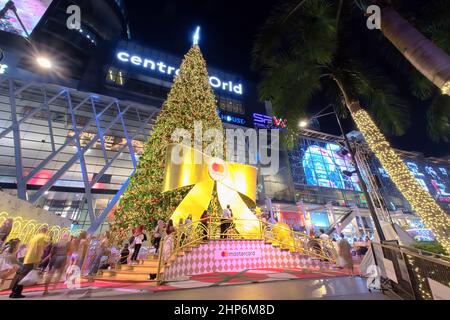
[10, 6]
[303, 123]
[44, 62]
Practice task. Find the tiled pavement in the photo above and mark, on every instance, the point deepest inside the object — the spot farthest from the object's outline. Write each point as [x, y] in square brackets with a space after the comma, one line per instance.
[249, 284]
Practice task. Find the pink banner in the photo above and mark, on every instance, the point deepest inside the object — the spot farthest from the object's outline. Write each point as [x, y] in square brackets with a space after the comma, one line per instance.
[292, 219]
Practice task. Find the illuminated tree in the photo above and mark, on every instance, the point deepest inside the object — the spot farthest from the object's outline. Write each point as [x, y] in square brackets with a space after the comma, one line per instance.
[307, 47]
[191, 99]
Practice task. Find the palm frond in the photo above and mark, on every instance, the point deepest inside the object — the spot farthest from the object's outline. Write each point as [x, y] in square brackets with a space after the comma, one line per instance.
[438, 116]
[309, 33]
[380, 96]
[420, 86]
[289, 87]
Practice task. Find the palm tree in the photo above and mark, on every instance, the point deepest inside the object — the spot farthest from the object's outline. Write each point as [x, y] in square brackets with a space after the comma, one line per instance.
[312, 47]
[428, 58]
[410, 40]
[437, 104]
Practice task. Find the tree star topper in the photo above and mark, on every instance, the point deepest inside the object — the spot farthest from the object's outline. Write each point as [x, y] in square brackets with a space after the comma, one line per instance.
[196, 37]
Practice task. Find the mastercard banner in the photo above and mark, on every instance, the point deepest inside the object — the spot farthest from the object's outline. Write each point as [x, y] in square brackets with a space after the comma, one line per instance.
[237, 254]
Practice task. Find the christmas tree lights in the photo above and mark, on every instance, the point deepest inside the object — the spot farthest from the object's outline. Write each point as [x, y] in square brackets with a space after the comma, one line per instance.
[191, 99]
[421, 201]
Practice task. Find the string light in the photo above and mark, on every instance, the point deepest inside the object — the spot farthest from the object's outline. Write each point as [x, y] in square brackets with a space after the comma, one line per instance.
[25, 229]
[429, 211]
[421, 281]
[446, 88]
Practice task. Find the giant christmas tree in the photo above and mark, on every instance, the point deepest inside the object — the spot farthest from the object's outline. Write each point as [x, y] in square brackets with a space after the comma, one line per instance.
[191, 99]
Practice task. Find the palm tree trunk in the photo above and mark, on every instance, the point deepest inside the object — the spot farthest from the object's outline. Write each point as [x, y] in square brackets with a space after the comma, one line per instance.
[423, 54]
[421, 201]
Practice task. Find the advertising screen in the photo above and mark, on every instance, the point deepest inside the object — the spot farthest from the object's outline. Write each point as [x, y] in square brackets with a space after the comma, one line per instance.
[323, 164]
[29, 11]
[320, 219]
[431, 177]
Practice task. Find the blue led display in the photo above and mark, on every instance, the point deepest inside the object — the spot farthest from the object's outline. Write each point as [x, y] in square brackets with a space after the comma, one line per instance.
[323, 164]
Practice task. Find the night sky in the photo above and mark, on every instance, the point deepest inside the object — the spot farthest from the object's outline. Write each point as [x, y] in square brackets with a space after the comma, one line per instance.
[228, 31]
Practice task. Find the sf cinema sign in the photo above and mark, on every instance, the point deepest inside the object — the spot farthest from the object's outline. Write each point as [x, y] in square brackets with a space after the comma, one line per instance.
[161, 67]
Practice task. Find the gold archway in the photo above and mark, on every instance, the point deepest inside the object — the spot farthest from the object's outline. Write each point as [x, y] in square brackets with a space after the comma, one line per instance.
[25, 229]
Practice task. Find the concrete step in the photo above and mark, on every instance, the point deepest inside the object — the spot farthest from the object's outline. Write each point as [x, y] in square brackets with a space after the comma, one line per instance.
[139, 268]
[116, 279]
[152, 262]
[125, 275]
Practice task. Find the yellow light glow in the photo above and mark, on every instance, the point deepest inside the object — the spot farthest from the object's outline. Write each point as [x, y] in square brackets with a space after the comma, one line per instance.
[446, 88]
[421, 201]
[44, 62]
[303, 123]
[26, 229]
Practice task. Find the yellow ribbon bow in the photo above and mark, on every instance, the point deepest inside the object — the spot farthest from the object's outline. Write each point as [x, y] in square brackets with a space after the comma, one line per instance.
[235, 183]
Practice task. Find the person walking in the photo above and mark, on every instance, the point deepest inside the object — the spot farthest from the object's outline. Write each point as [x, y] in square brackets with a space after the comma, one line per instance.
[159, 232]
[139, 238]
[9, 264]
[204, 221]
[323, 236]
[344, 255]
[226, 221]
[57, 262]
[182, 230]
[21, 253]
[170, 227]
[45, 259]
[82, 248]
[124, 254]
[188, 228]
[32, 258]
[5, 230]
[100, 251]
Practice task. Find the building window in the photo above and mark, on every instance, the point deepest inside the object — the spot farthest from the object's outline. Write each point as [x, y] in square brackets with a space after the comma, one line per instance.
[231, 105]
[115, 76]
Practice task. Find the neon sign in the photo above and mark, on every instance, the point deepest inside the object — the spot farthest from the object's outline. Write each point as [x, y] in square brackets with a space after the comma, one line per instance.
[232, 119]
[163, 68]
[262, 120]
[267, 122]
[280, 123]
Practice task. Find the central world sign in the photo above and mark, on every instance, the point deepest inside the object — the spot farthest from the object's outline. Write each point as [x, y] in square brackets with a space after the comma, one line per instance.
[166, 69]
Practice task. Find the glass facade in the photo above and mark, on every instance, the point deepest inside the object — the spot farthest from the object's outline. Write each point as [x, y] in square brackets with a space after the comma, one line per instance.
[433, 176]
[76, 149]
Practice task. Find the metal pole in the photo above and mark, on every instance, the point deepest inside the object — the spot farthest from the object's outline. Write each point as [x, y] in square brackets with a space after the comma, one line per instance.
[21, 184]
[362, 183]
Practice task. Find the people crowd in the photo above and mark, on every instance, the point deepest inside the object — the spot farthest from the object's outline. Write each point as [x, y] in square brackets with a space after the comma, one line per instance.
[45, 261]
[51, 258]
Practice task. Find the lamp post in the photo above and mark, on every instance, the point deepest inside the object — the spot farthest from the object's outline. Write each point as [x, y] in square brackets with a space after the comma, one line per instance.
[11, 6]
[362, 183]
[42, 61]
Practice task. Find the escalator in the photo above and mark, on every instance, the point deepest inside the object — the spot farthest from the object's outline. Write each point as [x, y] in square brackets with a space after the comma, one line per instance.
[342, 222]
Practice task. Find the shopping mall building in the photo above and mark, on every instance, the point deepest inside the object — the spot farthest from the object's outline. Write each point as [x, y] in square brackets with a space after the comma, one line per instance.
[71, 136]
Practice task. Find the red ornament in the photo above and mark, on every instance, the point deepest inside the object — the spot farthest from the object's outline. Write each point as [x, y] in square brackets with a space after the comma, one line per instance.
[217, 167]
